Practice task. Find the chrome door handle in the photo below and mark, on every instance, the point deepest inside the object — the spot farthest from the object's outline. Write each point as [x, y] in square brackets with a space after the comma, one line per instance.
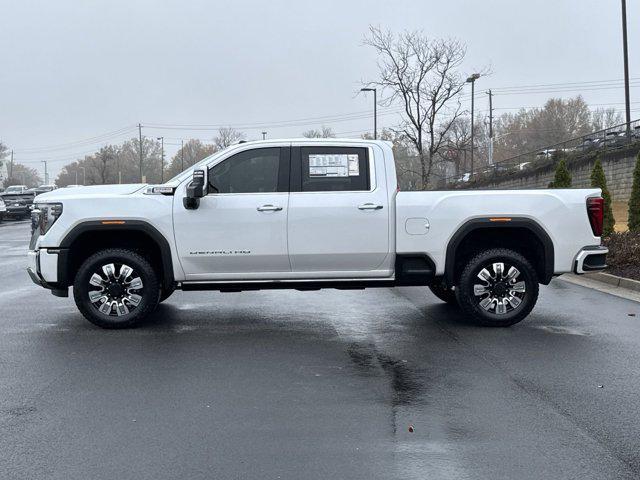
[269, 208]
[369, 206]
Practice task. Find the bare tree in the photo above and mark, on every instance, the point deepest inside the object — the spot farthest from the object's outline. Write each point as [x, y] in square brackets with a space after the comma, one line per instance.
[192, 152]
[101, 165]
[324, 132]
[602, 118]
[422, 76]
[23, 175]
[226, 137]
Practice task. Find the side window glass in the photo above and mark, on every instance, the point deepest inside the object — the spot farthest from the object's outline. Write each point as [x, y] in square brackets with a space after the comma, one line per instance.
[251, 171]
[334, 169]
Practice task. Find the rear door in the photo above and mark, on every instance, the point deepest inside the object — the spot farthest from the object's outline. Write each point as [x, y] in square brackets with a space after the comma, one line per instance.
[338, 213]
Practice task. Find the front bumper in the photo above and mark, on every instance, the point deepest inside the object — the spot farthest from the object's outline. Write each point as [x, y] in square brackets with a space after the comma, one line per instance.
[42, 268]
[591, 259]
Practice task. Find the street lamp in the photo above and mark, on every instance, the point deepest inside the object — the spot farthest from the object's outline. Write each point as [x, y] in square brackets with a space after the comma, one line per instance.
[375, 110]
[625, 55]
[472, 80]
[161, 160]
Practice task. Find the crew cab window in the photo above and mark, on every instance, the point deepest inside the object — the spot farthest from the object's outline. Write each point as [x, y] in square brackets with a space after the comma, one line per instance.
[251, 171]
[334, 169]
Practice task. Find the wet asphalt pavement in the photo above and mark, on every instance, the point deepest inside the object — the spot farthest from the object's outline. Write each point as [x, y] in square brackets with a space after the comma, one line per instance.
[321, 385]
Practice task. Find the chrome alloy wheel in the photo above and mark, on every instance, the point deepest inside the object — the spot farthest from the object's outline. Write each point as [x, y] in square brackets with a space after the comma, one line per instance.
[115, 294]
[499, 292]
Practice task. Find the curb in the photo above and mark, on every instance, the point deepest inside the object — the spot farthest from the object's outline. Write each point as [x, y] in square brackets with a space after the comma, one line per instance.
[615, 281]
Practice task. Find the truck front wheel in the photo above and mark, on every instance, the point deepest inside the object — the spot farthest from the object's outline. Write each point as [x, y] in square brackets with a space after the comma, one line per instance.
[498, 288]
[116, 288]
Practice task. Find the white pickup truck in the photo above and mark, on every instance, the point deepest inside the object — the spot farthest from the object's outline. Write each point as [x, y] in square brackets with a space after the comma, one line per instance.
[305, 215]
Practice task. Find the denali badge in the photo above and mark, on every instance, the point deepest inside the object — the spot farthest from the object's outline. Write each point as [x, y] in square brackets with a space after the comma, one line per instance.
[222, 252]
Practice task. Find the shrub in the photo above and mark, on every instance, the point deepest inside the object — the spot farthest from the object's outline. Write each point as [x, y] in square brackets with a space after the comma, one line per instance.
[599, 180]
[634, 201]
[562, 178]
[624, 254]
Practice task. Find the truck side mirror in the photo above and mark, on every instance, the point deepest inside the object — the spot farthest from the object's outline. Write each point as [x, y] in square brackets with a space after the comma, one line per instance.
[195, 191]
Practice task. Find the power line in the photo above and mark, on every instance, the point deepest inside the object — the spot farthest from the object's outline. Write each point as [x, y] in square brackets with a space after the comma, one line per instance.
[82, 142]
[586, 82]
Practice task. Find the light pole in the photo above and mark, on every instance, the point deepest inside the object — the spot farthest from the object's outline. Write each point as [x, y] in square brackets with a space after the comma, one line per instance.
[182, 156]
[264, 135]
[472, 80]
[84, 175]
[375, 110]
[140, 145]
[161, 159]
[625, 54]
[46, 175]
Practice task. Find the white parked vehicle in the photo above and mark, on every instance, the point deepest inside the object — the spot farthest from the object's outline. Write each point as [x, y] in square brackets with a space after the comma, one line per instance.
[308, 214]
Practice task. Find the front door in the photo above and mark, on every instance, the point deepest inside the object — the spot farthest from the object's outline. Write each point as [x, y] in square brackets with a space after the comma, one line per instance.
[239, 230]
[338, 213]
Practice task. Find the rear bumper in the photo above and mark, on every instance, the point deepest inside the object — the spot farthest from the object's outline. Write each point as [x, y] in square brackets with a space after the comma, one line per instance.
[591, 259]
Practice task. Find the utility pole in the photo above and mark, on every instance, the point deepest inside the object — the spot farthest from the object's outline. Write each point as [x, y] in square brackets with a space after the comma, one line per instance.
[472, 80]
[625, 53]
[490, 127]
[161, 159]
[76, 177]
[182, 156]
[140, 144]
[11, 166]
[46, 175]
[84, 175]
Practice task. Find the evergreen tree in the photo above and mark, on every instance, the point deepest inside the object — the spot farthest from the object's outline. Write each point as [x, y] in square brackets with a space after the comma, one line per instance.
[562, 178]
[634, 201]
[599, 180]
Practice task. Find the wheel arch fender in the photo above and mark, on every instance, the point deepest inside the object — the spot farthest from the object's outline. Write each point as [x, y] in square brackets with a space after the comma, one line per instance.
[546, 266]
[140, 227]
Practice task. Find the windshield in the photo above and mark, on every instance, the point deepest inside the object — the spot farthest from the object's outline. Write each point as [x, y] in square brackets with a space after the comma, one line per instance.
[13, 190]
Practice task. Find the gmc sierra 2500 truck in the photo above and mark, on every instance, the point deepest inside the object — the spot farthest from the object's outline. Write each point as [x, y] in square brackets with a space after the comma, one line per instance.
[305, 215]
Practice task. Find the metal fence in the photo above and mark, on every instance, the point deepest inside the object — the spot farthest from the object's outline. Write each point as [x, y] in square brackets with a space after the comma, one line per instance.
[612, 139]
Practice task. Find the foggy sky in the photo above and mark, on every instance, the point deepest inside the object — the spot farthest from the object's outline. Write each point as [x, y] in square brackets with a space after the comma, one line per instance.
[78, 69]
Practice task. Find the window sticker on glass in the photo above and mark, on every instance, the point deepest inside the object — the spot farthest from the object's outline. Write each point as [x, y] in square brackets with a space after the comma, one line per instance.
[329, 165]
[334, 165]
[354, 165]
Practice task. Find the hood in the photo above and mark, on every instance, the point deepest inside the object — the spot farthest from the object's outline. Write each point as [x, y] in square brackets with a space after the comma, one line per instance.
[91, 191]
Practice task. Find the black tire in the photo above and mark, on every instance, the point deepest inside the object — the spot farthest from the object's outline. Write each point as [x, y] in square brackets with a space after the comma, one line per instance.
[444, 293]
[114, 289]
[499, 293]
[166, 293]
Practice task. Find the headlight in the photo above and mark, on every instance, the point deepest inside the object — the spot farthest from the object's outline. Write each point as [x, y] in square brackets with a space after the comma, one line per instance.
[44, 215]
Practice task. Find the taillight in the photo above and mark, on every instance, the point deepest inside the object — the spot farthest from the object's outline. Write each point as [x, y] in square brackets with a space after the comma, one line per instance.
[595, 210]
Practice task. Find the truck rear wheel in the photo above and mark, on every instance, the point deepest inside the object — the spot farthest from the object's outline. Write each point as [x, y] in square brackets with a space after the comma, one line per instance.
[116, 288]
[498, 288]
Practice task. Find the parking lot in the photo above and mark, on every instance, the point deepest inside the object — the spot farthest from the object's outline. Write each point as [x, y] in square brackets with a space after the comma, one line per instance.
[328, 385]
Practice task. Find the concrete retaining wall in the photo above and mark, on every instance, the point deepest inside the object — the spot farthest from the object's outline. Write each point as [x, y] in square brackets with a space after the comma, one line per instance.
[618, 168]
